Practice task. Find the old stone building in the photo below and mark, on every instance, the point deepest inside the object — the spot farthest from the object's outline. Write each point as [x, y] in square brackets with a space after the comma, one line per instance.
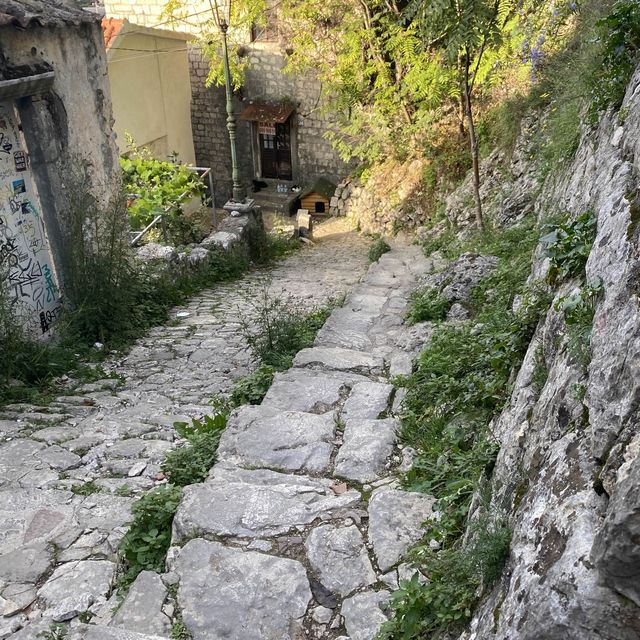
[55, 122]
[281, 123]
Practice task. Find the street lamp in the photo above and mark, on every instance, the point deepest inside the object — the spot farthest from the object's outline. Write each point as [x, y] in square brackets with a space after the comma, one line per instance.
[221, 10]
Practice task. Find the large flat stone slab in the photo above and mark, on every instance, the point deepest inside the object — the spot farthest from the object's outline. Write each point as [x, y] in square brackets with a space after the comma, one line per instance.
[285, 440]
[366, 401]
[339, 557]
[94, 632]
[240, 595]
[26, 564]
[308, 390]
[396, 521]
[254, 503]
[340, 359]
[141, 610]
[30, 515]
[366, 448]
[76, 580]
[363, 614]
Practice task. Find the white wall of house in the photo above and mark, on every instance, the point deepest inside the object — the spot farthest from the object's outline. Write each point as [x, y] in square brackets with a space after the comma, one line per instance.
[151, 91]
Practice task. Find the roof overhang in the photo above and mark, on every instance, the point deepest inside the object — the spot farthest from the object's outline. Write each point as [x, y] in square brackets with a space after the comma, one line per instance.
[24, 80]
[262, 112]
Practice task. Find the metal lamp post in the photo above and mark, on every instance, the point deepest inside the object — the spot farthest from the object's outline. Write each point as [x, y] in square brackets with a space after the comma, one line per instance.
[222, 18]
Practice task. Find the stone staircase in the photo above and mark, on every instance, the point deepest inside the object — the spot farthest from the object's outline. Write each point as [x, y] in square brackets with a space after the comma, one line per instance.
[301, 528]
[271, 201]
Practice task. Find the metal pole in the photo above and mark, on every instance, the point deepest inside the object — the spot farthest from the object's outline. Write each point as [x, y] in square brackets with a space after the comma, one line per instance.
[238, 195]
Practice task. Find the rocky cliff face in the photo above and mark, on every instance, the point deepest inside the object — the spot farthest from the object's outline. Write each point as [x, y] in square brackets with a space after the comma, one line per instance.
[568, 472]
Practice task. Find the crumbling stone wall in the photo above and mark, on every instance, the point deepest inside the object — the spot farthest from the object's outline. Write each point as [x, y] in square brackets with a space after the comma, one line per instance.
[67, 129]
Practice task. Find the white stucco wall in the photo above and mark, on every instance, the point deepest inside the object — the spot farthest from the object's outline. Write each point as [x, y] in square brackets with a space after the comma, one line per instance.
[151, 92]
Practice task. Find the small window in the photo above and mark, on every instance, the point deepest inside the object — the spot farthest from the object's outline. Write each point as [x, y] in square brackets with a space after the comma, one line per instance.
[320, 207]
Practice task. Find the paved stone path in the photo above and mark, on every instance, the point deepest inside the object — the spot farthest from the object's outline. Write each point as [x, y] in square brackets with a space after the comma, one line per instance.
[300, 529]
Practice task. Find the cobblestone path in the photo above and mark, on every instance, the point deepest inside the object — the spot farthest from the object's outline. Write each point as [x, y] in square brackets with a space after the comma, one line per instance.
[300, 529]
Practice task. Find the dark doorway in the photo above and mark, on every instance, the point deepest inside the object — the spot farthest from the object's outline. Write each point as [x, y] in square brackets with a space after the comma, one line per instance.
[275, 150]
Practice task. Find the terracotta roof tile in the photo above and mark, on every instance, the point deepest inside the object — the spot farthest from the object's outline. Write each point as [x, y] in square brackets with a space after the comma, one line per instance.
[111, 28]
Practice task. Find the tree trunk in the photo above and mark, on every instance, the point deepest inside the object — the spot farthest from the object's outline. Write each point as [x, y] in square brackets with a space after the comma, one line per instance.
[473, 141]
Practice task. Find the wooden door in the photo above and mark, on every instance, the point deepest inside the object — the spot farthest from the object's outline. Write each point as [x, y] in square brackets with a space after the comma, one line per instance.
[275, 150]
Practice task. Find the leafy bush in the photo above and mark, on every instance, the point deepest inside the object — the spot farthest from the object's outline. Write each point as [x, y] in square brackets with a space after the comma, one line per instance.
[568, 246]
[145, 545]
[428, 304]
[192, 462]
[153, 186]
[619, 37]
[461, 381]
[455, 575]
[378, 249]
[251, 389]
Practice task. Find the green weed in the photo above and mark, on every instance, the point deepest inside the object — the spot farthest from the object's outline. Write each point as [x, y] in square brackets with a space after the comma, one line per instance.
[145, 545]
[427, 305]
[192, 462]
[378, 249]
[251, 389]
[85, 489]
[568, 246]
[279, 328]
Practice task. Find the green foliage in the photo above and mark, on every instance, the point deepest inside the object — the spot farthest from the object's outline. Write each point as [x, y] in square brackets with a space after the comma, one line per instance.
[619, 38]
[278, 328]
[428, 304]
[55, 632]
[192, 462]
[579, 309]
[461, 381]
[540, 369]
[245, 14]
[85, 489]
[251, 389]
[378, 249]
[568, 246]
[145, 545]
[439, 607]
[154, 186]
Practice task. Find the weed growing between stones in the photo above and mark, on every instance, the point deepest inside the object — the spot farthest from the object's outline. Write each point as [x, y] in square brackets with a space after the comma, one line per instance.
[145, 545]
[251, 389]
[280, 327]
[378, 249]
[427, 305]
[191, 463]
[579, 309]
[568, 246]
[462, 380]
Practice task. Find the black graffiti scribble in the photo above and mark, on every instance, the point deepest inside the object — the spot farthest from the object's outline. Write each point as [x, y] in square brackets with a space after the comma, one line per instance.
[44, 325]
[5, 145]
[7, 249]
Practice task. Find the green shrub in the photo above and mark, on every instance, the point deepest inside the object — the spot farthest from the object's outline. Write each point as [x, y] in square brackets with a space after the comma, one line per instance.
[251, 389]
[568, 246]
[145, 545]
[619, 38]
[428, 304]
[278, 328]
[154, 186]
[378, 249]
[455, 577]
[192, 462]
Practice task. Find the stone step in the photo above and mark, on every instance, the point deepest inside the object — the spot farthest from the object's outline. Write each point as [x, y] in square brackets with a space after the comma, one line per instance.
[256, 503]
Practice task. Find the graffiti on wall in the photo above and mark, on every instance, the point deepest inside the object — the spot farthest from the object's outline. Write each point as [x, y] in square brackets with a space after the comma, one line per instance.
[25, 259]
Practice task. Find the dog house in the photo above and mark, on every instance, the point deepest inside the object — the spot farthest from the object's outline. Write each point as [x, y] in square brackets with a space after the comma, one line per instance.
[316, 198]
